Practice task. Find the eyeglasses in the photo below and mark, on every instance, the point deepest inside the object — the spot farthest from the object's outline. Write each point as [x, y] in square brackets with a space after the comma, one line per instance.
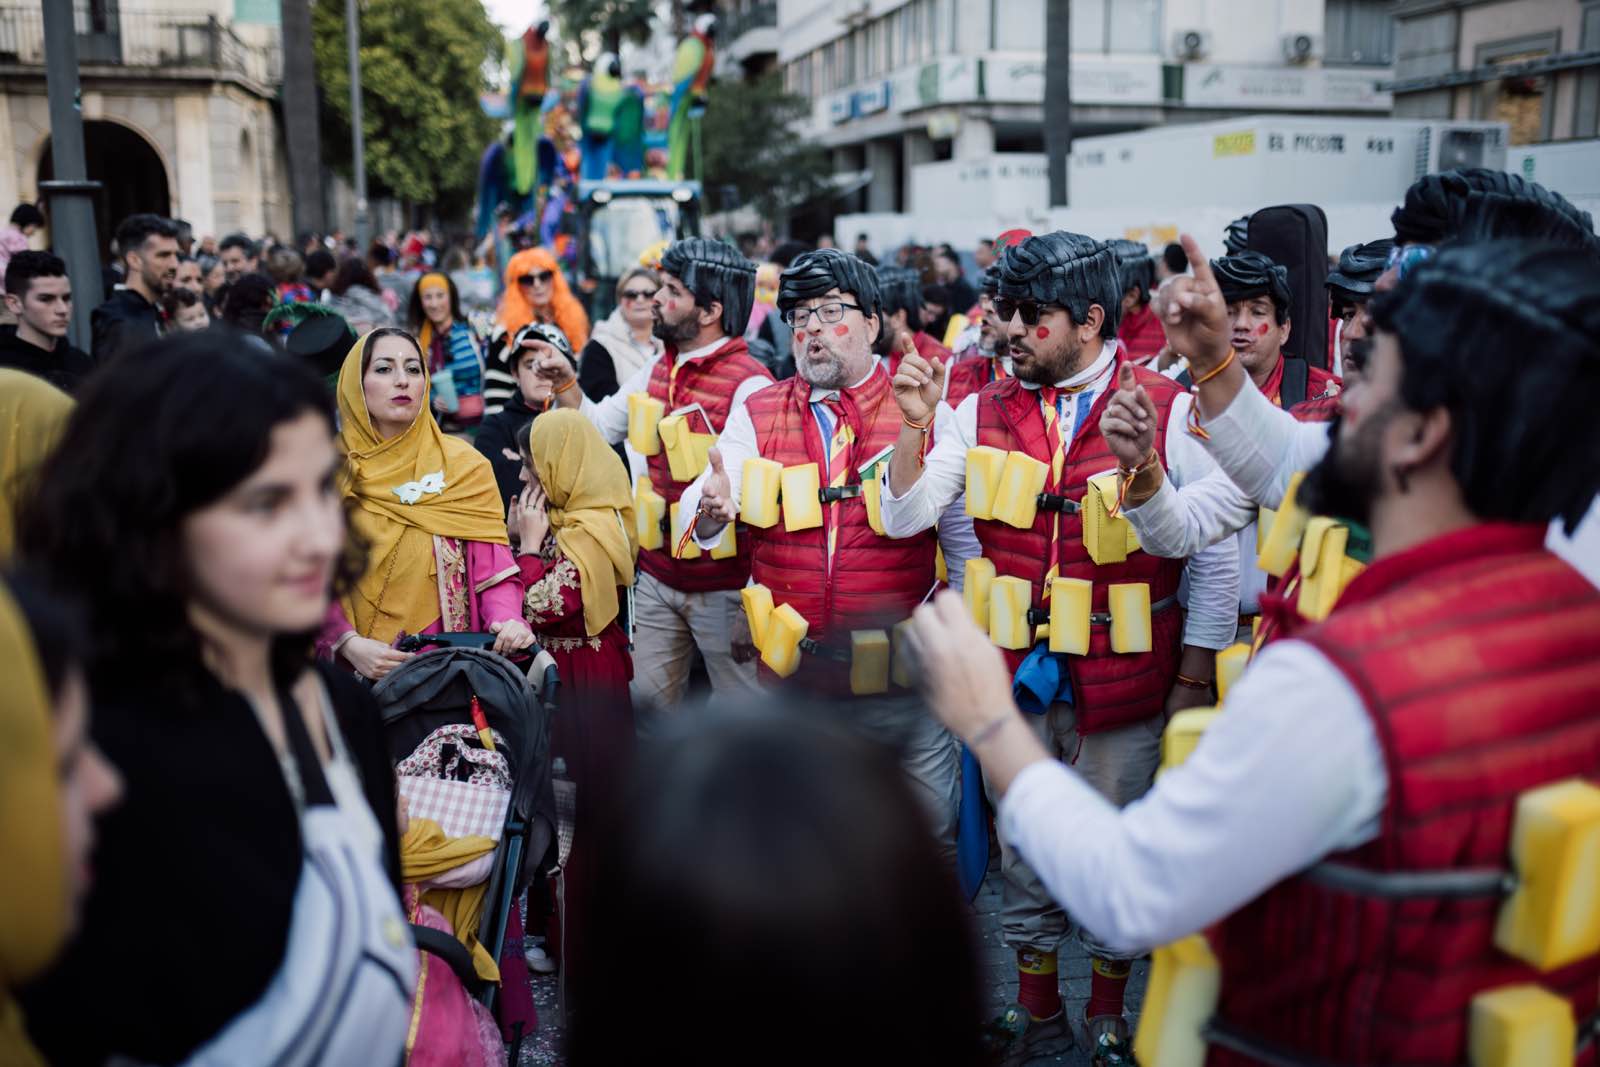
[538, 277]
[800, 318]
[638, 294]
[1408, 257]
[1030, 310]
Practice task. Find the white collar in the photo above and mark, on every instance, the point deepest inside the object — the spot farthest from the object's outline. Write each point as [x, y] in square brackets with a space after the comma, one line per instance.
[702, 352]
[1101, 367]
[818, 394]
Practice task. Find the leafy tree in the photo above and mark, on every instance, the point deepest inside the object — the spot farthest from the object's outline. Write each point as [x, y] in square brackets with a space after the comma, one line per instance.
[609, 21]
[423, 65]
[753, 150]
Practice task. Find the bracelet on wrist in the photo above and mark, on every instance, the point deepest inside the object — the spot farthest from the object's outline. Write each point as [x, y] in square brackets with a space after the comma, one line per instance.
[1193, 683]
[920, 427]
[988, 730]
[1218, 369]
[570, 382]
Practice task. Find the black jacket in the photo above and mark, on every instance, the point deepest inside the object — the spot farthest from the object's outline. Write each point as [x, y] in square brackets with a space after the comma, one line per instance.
[497, 433]
[63, 368]
[122, 324]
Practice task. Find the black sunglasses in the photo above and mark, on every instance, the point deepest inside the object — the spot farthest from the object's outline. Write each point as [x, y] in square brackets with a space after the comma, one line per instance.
[538, 277]
[1030, 310]
[638, 294]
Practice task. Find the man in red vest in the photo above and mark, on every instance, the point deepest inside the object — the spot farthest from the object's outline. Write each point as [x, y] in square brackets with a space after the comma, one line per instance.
[989, 357]
[1139, 333]
[843, 578]
[1458, 671]
[679, 605]
[1059, 295]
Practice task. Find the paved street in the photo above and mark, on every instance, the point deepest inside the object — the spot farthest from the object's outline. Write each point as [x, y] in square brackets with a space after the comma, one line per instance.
[998, 965]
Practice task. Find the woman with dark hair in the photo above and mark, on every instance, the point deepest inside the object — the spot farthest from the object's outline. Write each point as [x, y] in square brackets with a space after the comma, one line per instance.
[246, 302]
[426, 506]
[355, 295]
[787, 870]
[260, 808]
[450, 345]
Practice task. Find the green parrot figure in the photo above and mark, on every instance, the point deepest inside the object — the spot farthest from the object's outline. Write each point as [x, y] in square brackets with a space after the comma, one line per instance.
[691, 74]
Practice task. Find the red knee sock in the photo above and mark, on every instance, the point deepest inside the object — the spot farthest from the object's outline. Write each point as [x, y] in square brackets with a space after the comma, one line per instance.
[1107, 982]
[1038, 989]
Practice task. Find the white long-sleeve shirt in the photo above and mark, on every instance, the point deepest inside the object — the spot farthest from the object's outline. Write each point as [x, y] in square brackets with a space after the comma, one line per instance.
[1258, 447]
[1289, 772]
[610, 415]
[1213, 573]
[737, 443]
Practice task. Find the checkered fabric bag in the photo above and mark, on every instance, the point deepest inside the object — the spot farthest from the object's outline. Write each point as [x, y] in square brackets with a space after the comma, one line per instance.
[453, 780]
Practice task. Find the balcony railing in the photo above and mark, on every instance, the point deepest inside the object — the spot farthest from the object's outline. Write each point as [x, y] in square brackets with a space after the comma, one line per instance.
[749, 16]
[139, 39]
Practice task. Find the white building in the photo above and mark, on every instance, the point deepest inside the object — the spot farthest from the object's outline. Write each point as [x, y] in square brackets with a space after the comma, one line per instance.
[177, 108]
[904, 88]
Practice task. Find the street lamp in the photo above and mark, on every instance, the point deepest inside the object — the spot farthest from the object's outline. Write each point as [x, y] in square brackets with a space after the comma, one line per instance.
[358, 148]
[70, 193]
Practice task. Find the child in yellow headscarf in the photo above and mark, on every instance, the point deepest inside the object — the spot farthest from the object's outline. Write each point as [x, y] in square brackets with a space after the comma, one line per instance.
[576, 546]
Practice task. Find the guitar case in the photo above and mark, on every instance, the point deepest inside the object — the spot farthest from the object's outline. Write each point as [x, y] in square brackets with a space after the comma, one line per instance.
[1296, 236]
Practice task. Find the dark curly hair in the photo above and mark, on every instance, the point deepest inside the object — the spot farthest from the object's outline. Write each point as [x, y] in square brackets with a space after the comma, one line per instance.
[155, 438]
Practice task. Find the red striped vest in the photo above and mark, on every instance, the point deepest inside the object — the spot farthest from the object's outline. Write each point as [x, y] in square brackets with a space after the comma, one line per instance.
[709, 382]
[969, 376]
[1110, 689]
[1477, 655]
[875, 581]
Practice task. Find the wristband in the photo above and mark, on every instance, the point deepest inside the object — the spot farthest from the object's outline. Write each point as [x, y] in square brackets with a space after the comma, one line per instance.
[988, 730]
[563, 388]
[1218, 369]
[1192, 683]
[920, 427]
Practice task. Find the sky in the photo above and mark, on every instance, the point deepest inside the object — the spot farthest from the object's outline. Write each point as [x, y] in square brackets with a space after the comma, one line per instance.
[514, 15]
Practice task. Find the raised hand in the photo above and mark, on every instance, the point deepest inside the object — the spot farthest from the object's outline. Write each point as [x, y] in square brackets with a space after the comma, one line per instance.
[716, 493]
[1129, 421]
[1194, 314]
[918, 384]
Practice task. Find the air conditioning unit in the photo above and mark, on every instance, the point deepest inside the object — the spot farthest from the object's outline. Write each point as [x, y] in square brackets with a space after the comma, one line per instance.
[1301, 47]
[1468, 145]
[1191, 45]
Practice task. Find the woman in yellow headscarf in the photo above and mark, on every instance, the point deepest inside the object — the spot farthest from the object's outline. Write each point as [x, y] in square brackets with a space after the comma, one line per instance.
[427, 510]
[576, 546]
[53, 781]
[32, 414]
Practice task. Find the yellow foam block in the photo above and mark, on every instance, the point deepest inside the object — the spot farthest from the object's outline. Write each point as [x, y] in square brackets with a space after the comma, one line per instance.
[1069, 615]
[1016, 501]
[1264, 520]
[1181, 997]
[802, 508]
[872, 496]
[1009, 601]
[1230, 664]
[984, 467]
[869, 662]
[1553, 916]
[941, 573]
[1521, 1025]
[644, 418]
[1104, 537]
[758, 492]
[1321, 566]
[1182, 734]
[900, 664]
[1283, 540]
[727, 545]
[757, 610]
[649, 508]
[1130, 616]
[1255, 629]
[675, 531]
[687, 452]
[780, 645]
[977, 580]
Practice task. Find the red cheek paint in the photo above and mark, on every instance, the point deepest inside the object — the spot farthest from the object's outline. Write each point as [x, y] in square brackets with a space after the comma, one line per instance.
[1042, 332]
[799, 335]
[1261, 331]
[840, 330]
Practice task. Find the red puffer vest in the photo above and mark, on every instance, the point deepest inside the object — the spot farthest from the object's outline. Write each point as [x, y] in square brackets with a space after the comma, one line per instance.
[709, 382]
[1110, 689]
[1477, 654]
[875, 581]
[969, 376]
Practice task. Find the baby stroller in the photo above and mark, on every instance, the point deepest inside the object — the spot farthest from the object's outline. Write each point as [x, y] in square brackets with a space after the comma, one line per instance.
[469, 733]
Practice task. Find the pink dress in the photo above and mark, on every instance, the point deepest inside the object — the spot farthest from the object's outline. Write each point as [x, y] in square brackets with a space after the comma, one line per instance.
[478, 586]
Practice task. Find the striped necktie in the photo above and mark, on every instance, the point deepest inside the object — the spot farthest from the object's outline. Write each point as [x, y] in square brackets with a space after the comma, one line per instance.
[1050, 407]
[838, 459]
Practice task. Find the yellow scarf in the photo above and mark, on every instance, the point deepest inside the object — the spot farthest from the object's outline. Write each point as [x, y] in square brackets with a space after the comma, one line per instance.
[32, 415]
[453, 494]
[34, 921]
[425, 336]
[425, 852]
[590, 509]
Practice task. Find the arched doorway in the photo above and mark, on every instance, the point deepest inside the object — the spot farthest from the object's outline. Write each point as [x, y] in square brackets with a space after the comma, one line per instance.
[131, 175]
